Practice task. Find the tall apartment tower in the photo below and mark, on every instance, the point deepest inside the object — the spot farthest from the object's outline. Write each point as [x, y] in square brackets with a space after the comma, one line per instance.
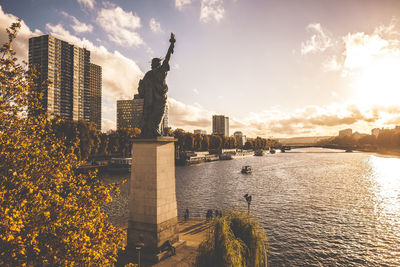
[130, 112]
[240, 138]
[220, 125]
[95, 95]
[67, 68]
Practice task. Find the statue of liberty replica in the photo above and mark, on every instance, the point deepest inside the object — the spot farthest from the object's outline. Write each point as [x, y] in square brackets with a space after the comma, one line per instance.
[153, 88]
[153, 210]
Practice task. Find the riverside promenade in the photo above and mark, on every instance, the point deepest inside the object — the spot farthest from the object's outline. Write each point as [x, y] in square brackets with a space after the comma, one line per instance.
[193, 232]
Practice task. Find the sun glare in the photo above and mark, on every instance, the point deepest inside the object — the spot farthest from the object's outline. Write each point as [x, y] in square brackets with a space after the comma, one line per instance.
[386, 177]
[379, 83]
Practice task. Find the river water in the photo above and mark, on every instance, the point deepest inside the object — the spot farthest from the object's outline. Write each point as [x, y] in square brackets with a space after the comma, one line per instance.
[319, 207]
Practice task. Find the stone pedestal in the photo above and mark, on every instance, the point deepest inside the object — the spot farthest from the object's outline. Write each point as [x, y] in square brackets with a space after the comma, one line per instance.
[153, 214]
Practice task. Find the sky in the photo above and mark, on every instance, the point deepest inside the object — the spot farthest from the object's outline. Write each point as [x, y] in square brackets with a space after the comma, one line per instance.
[275, 68]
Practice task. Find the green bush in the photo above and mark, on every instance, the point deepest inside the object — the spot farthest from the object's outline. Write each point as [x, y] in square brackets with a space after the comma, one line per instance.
[234, 240]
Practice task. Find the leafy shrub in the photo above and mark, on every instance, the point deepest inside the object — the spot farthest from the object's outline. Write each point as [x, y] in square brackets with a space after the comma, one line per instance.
[234, 240]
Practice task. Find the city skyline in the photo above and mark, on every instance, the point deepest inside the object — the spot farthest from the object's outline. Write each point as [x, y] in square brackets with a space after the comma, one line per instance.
[274, 68]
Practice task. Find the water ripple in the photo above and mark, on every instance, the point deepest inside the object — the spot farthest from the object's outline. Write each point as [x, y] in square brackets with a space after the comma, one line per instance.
[318, 207]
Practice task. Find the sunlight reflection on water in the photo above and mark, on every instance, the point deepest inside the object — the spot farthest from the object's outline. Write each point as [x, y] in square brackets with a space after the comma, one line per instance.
[385, 175]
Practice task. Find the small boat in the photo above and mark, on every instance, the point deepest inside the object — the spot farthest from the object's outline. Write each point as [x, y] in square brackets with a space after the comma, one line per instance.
[272, 151]
[246, 169]
[283, 149]
[259, 153]
[348, 150]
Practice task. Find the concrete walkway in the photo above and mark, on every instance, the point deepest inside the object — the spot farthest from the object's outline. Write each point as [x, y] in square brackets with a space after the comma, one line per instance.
[193, 232]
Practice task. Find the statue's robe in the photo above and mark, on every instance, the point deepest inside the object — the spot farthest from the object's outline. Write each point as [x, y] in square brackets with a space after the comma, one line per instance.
[153, 88]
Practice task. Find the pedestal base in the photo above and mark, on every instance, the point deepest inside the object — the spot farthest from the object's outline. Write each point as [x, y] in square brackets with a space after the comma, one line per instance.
[153, 218]
[148, 258]
[153, 235]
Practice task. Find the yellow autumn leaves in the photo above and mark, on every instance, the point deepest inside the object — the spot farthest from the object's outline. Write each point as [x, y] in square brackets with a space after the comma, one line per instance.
[49, 214]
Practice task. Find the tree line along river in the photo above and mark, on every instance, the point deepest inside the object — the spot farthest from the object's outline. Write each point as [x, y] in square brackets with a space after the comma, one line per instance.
[319, 207]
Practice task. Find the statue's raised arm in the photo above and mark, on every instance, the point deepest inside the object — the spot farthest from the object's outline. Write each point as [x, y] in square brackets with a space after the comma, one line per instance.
[153, 88]
[172, 41]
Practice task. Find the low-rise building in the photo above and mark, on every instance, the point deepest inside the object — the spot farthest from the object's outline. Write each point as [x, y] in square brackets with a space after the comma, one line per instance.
[357, 136]
[375, 131]
[198, 131]
[345, 132]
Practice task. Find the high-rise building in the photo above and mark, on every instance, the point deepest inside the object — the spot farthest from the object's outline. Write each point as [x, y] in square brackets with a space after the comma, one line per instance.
[95, 94]
[220, 125]
[81, 83]
[66, 67]
[240, 138]
[130, 113]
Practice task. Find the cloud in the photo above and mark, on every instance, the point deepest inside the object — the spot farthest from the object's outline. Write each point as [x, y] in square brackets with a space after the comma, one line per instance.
[315, 120]
[78, 27]
[331, 64]
[361, 49]
[121, 26]
[87, 3]
[189, 117]
[121, 76]
[180, 4]
[21, 44]
[310, 120]
[369, 62]
[196, 91]
[107, 124]
[319, 41]
[211, 10]
[354, 51]
[155, 26]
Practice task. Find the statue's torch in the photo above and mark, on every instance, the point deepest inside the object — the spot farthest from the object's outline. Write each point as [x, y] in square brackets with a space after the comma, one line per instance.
[172, 40]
